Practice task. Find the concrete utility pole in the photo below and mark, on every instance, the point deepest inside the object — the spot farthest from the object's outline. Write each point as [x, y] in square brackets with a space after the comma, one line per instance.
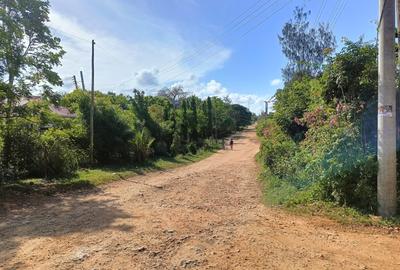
[266, 107]
[92, 110]
[75, 82]
[387, 194]
[397, 65]
[83, 81]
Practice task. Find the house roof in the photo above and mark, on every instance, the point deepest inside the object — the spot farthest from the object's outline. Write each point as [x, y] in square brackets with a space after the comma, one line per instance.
[59, 110]
[62, 111]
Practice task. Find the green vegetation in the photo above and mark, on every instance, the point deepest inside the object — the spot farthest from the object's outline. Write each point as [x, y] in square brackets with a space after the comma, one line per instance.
[98, 176]
[47, 136]
[318, 148]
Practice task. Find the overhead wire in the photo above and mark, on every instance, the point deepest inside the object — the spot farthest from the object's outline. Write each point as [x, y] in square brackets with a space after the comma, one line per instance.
[339, 13]
[249, 15]
[240, 38]
[232, 24]
[244, 21]
[245, 33]
[321, 11]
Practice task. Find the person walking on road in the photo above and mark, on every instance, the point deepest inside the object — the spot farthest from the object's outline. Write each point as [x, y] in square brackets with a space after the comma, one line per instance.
[231, 143]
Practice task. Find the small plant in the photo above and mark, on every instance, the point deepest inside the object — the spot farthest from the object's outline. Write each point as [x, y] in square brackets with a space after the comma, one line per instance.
[141, 145]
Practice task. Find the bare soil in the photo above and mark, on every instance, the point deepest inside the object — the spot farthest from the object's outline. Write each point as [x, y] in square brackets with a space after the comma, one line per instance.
[208, 215]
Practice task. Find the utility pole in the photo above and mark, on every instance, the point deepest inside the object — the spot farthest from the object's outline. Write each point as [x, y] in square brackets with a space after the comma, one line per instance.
[387, 195]
[397, 65]
[266, 107]
[83, 81]
[75, 82]
[92, 110]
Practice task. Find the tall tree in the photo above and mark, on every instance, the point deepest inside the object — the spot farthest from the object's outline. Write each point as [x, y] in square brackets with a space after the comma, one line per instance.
[140, 107]
[194, 134]
[184, 121]
[174, 94]
[28, 54]
[209, 117]
[306, 48]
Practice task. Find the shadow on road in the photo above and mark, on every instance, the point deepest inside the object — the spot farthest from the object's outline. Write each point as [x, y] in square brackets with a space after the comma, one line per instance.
[57, 216]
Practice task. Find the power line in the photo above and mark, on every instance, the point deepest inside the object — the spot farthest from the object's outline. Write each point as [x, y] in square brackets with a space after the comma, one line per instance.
[334, 11]
[224, 32]
[240, 22]
[240, 38]
[236, 27]
[245, 33]
[320, 12]
[339, 13]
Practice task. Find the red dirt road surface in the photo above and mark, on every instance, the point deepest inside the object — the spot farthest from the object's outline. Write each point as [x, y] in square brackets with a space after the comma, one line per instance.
[208, 215]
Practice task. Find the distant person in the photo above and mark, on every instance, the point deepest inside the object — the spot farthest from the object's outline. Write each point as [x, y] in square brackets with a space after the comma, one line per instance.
[223, 143]
[231, 143]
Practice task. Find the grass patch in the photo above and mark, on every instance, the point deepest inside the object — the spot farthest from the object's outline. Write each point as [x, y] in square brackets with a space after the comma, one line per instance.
[86, 178]
[300, 202]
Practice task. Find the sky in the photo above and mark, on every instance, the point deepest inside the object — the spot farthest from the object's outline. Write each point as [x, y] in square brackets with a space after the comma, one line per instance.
[212, 48]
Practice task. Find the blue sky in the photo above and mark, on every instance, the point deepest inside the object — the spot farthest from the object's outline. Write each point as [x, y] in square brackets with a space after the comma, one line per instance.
[210, 47]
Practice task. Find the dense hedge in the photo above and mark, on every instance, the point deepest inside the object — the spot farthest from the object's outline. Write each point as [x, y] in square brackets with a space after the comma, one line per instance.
[320, 143]
[127, 129]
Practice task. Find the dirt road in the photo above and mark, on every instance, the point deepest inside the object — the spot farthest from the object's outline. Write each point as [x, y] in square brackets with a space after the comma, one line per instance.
[208, 215]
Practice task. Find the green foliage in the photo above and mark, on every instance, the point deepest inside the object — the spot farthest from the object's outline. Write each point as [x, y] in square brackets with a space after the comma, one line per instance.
[241, 115]
[276, 148]
[351, 76]
[28, 54]
[320, 143]
[305, 48]
[290, 106]
[141, 145]
[22, 138]
[57, 155]
[176, 146]
[39, 138]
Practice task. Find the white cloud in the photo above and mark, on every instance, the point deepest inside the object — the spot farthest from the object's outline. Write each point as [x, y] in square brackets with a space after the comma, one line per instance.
[147, 77]
[276, 82]
[148, 63]
[214, 88]
[120, 64]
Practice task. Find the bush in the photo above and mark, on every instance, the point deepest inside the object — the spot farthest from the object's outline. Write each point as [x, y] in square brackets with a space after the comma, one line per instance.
[176, 146]
[192, 148]
[20, 161]
[349, 174]
[35, 153]
[211, 144]
[276, 149]
[161, 148]
[331, 164]
[141, 145]
[57, 156]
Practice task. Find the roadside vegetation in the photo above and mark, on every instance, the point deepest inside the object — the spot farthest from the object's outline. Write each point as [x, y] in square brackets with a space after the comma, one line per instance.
[45, 137]
[319, 145]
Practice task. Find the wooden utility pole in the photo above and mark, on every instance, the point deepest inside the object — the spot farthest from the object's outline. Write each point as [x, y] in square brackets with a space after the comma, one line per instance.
[83, 81]
[387, 195]
[75, 82]
[92, 110]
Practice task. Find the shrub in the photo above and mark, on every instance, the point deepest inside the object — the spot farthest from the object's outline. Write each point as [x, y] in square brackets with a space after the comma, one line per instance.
[57, 156]
[22, 140]
[161, 148]
[192, 148]
[211, 144]
[176, 146]
[141, 145]
[276, 149]
[349, 174]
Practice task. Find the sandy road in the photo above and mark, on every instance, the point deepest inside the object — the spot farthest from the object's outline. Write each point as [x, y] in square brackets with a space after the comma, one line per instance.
[208, 215]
